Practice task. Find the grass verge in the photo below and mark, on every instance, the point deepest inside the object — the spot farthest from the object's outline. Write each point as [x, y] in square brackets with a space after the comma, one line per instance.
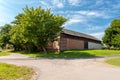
[103, 52]
[74, 54]
[13, 72]
[115, 61]
[4, 53]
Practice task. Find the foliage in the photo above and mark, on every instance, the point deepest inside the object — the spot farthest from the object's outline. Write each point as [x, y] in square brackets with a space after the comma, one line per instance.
[4, 35]
[116, 41]
[12, 72]
[112, 34]
[74, 54]
[115, 61]
[35, 27]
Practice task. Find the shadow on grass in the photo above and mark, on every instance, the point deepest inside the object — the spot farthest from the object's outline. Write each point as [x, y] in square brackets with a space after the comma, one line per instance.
[69, 55]
[61, 55]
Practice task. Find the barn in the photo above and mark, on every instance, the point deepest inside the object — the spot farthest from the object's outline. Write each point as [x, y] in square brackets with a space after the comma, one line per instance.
[71, 40]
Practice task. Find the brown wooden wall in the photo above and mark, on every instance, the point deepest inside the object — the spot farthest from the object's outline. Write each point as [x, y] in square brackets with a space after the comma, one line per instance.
[70, 42]
[75, 44]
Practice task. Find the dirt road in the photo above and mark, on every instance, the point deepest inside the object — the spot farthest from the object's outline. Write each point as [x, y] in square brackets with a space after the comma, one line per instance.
[63, 69]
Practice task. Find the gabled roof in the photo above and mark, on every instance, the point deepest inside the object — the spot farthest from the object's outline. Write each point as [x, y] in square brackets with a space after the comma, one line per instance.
[78, 34]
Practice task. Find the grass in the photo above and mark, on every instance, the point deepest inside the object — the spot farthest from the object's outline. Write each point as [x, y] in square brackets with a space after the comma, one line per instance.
[74, 54]
[103, 52]
[13, 72]
[4, 53]
[115, 61]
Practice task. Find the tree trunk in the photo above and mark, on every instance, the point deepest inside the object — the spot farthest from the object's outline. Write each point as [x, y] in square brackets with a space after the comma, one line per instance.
[15, 48]
[44, 49]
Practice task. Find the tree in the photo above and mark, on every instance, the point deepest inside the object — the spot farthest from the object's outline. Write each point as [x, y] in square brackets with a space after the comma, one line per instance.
[112, 33]
[36, 27]
[4, 35]
[116, 41]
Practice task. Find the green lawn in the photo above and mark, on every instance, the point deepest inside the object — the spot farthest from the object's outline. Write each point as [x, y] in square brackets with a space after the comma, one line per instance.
[115, 61]
[103, 52]
[12, 72]
[75, 54]
[4, 53]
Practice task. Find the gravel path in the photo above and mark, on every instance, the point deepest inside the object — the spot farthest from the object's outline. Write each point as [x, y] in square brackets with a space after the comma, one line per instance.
[63, 69]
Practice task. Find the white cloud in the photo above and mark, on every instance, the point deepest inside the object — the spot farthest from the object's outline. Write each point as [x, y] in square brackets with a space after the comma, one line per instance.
[83, 17]
[74, 2]
[94, 27]
[98, 35]
[75, 19]
[60, 5]
[93, 13]
[45, 4]
[57, 3]
[52, 4]
[89, 14]
[116, 6]
[99, 2]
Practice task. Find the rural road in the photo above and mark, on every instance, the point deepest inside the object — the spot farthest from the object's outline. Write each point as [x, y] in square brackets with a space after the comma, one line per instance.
[66, 69]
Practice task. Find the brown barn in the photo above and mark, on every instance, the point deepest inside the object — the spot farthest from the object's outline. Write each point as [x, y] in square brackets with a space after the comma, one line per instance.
[69, 40]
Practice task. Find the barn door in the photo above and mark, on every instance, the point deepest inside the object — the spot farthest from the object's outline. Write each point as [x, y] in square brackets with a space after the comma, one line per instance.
[85, 45]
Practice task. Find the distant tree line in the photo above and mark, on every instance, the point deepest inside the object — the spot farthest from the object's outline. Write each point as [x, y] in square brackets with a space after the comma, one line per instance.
[33, 28]
[112, 35]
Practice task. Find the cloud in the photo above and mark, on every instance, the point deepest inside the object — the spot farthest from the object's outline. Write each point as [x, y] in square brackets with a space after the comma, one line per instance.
[45, 4]
[98, 35]
[57, 3]
[83, 17]
[117, 5]
[99, 2]
[89, 13]
[75, 19]
[94, 28]
[72, 21]
[74, 2]
[94, 14]
[52, 4]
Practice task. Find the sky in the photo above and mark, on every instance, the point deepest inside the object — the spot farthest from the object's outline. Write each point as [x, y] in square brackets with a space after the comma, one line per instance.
[86, 16]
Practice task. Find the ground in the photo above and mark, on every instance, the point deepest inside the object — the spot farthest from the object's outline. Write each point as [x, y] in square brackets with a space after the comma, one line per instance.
[66, 69]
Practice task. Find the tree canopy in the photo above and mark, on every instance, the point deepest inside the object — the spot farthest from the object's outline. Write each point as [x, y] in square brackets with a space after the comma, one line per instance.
[112, 34]
[35, 27]
[4, 35]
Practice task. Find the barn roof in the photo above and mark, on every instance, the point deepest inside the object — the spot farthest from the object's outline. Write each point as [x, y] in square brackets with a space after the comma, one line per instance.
[78, 34]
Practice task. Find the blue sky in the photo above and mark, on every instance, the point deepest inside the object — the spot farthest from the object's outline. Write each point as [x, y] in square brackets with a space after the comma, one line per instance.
[86, 16]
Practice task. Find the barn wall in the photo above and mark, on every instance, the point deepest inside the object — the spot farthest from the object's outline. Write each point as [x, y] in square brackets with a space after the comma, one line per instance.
[63, 43]
[70, 42]
[92, 45]
[75, 44]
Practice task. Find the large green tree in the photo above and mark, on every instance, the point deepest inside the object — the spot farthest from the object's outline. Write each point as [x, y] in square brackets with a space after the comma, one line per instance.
[112, 34]
[4, 35]
[36, 26]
